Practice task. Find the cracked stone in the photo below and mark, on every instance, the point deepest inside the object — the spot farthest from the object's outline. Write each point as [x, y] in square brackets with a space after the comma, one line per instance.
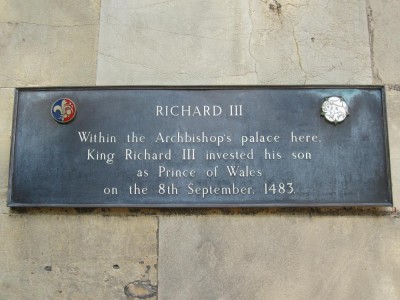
[383, 23]
[206, 42]
[254, 42]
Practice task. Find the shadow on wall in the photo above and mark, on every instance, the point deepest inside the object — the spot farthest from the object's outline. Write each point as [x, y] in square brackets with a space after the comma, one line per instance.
[309, 211]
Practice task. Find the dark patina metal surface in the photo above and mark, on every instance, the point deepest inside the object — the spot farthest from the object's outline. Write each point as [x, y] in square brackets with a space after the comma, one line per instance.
[349, 164]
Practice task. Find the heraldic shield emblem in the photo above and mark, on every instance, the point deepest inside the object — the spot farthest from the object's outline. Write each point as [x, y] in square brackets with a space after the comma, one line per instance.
[63, 110]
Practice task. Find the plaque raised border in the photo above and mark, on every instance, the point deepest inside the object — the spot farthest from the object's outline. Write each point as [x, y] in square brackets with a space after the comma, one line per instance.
[29, 186]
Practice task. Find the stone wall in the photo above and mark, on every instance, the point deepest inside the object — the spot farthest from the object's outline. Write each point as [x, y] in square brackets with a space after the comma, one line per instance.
[199, 253]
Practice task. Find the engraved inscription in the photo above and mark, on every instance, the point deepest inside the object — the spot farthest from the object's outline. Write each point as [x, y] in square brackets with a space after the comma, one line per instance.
[254, 146]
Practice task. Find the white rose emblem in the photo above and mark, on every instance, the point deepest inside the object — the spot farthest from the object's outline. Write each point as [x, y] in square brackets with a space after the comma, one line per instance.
[335, 109]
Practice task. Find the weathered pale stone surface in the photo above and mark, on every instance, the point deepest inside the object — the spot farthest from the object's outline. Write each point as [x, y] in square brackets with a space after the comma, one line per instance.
[384, 23]
[75, 256]
[393, 113]
[68, 256]
[6, 115]
[279, 257]
[310, 41]
[48, 42]
[171, 42]
[233, 42]
[274, 256]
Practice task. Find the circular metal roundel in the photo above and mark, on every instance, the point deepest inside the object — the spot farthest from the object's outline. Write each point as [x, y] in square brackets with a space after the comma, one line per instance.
[335, 109]
[63, 110]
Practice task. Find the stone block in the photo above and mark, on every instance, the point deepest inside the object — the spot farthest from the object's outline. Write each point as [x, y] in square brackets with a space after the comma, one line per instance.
[48, 43]
[233, 42]
[76, 256]
[384, 23]
[393, 113]
[6, 116]
[310, 42]
[279, 257]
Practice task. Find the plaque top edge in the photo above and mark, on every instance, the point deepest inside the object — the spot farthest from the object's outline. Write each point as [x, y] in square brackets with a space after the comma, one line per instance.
[197, 87]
